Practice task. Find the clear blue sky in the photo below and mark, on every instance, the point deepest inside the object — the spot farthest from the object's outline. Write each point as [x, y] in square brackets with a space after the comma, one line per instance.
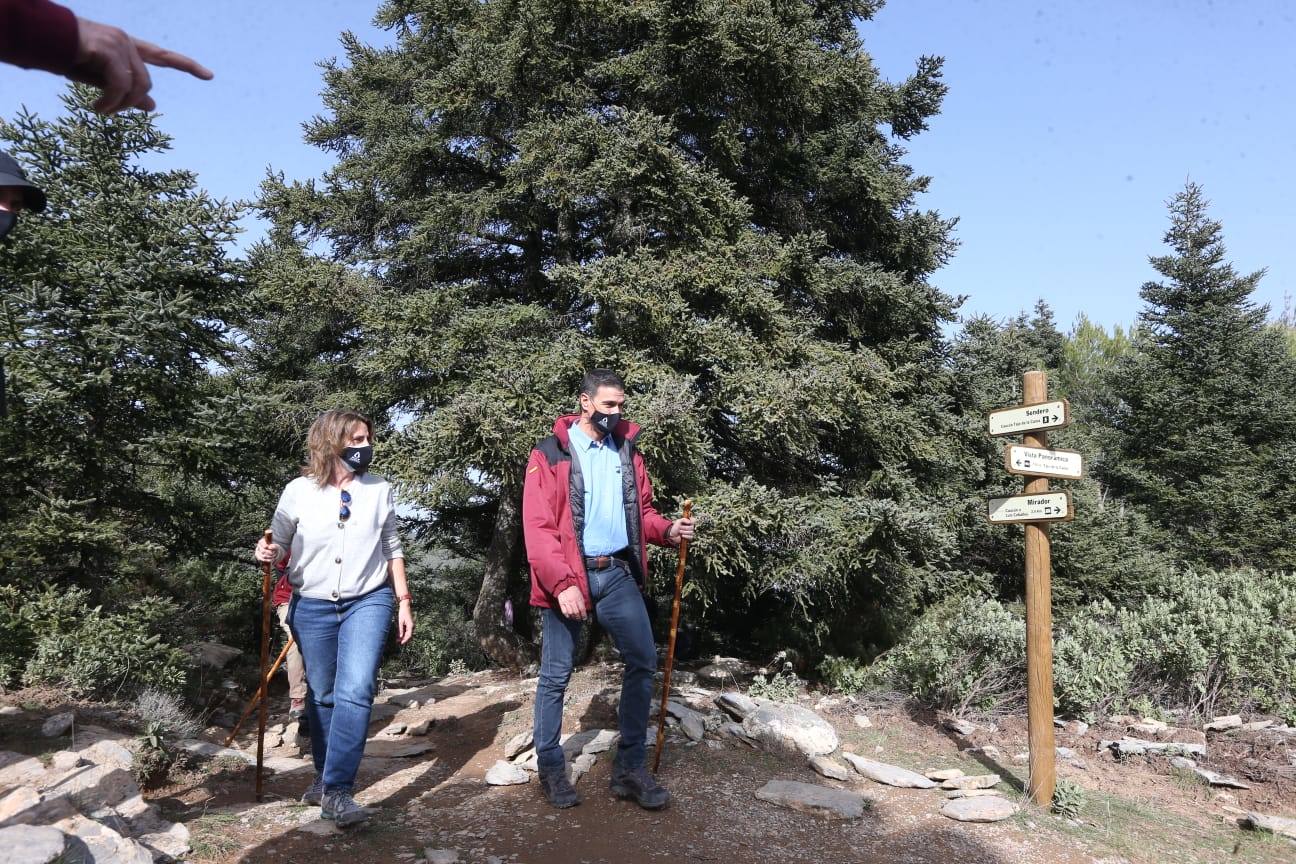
[1067, 126]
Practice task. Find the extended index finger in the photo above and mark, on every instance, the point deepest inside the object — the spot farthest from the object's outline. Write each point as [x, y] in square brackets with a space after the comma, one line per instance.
[159, 56]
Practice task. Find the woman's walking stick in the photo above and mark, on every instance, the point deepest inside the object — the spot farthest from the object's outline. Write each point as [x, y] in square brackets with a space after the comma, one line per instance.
[670, 646]
[260, 694]
[266, 567]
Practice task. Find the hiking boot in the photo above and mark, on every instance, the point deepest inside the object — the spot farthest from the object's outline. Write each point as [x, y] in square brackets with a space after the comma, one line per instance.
[557, 789]
[341, 808]
[639, 784]
[315, 794]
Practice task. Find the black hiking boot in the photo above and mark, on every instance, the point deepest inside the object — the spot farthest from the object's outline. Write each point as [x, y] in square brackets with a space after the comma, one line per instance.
[557, 789]
[639, 784]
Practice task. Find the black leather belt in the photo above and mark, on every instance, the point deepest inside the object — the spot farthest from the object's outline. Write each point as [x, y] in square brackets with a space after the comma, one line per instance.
[602, 562]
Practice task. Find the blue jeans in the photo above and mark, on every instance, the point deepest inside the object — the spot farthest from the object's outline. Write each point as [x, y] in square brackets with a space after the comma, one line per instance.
[620, 609]
[341, 642]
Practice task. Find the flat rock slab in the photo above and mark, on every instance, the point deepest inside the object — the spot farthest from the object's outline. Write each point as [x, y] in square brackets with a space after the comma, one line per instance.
[519, 743]
[980, 809]
[1273, 824]
[888, 775]
[1138, 747]
[605, 740]
[940, 775]
[1223, 724]
[829, 768]
[31, 844]
[506, 774]
[809, 798]
[791, 728]
[736, 705]
[396, 749]
[980, 781]
[16, 801]
[971, 793]
[441, 856]
[1214, 779]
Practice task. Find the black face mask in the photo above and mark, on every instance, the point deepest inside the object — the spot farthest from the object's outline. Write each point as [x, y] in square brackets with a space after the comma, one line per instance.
[357, 458]
[605, 423]
[7, 222]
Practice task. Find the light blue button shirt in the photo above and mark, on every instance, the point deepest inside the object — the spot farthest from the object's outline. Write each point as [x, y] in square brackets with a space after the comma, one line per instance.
[605, 522]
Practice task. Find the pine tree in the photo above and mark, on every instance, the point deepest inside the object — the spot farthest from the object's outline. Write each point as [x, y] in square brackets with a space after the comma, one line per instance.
[708, 197]
[121, 449]
[1206, 423]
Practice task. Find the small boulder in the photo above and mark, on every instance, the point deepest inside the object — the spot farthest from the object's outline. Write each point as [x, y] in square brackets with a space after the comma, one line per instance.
[580, 766]
[979, 781]
[942, 774]
[506, 774]
[1273, 824]
[787, 727]
[863, 722]
[10, 710]
[735, 704]
[726, 670]
[603, 741]
[31, 844]
[65, 760]
[16, 801]
[517, 744]
[58, 724]
[213, 654]
[971, 793]
[441, 856]
[829, 768]
[419, 728]
[958, 726]
[109, 753]
[1224, 724]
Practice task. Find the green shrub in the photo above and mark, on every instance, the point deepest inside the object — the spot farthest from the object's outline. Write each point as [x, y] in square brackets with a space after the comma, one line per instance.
[966, 654]
[1092, 672]
[97, 654]
[443, 629]
[844, 675]
[1068, 799]
[779, 687]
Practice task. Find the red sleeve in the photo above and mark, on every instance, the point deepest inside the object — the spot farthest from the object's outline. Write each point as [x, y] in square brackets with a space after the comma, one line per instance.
[38, 34]
[540, 528]
[655, 525]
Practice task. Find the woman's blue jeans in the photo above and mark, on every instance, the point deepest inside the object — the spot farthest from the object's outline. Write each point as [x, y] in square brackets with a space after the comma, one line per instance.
[619, 606]
[341, 643]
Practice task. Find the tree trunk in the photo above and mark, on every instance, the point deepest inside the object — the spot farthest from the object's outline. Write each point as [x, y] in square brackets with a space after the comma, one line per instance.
[498, 640]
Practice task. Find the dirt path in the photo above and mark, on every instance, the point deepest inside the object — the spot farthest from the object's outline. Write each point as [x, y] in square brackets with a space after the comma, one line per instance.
[439, 800]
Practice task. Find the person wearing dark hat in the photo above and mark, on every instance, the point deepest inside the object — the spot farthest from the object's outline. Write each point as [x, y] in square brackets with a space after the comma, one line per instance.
[17, 194]
[38, 34]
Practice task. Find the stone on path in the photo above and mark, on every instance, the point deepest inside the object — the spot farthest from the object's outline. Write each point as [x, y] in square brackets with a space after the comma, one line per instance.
[1273, 824]
[441, 856]
[971, 793]
[809, 798]
[692, 722]
[16, 801]
[957, 726]
[64, 760]
[9, 710]
[863, 722]
[889, 775]
[1225, 723]
[1214, 779]
[981, 809]
[58, 724]
[213, 654]
[31, 844]
[506, 774]
[580, 766]
[726, 670]
[517, 744]
[736, 705]
[1138, 747]
[791, 728]
[402, 748]
[829, 768]
[1182, 762]
[942, 774]
[419, 728]
[95, 787]
[979, 781]
[109, 753]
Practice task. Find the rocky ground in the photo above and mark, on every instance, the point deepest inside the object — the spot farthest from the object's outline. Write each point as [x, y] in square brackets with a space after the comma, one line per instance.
[818, 780]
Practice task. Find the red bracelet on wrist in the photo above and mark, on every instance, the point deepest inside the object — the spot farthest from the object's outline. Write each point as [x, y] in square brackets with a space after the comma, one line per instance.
[402, 598]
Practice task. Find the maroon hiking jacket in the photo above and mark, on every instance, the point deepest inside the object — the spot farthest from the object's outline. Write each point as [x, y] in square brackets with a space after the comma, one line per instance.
[553, 512]
[38, 34]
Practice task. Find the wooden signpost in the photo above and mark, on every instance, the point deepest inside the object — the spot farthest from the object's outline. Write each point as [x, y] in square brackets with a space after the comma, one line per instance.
[1037, 508]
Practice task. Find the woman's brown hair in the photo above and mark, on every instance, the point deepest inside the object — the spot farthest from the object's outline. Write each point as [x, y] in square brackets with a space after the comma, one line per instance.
[328, 435]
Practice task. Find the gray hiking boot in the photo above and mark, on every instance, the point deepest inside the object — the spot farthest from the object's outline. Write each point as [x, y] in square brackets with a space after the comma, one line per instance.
[557, 789]
[315, 794]
[639, 784]
[341, 808]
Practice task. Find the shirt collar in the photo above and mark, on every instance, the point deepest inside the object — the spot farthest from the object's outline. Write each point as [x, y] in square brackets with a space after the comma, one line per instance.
[578, 434]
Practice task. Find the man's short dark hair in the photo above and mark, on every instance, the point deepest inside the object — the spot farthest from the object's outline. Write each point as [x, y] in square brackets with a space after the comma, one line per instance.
[596, 378]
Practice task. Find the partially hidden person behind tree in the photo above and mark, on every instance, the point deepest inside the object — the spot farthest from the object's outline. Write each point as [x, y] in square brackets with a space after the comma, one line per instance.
[588, 517]
[294, 667]
[38, 34]
[347, 573]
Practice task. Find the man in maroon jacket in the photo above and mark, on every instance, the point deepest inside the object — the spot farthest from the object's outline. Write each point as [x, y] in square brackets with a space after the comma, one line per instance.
[588, 518]
[38, 34]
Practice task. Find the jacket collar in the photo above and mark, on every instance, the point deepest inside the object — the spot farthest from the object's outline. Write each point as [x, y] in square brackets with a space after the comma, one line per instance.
[624, 431]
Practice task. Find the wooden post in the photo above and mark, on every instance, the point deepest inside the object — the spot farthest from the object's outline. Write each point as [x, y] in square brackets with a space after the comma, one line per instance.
[1039, 624]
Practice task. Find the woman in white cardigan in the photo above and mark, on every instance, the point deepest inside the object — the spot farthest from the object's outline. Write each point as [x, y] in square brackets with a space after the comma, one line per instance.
[347, 571]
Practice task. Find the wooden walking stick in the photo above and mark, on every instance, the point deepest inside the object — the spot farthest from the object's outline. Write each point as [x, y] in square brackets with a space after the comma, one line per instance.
[261, 692]
[670, 646]
[266, 568]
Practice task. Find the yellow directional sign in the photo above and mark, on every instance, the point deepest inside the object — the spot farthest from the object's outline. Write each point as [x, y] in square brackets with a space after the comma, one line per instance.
[1039, 462]
[1044, 507]
[1021, 419]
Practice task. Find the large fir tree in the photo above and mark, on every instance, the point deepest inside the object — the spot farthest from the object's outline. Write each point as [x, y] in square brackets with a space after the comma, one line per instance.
[1206, 421]
[707, 196]
[121, 451]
